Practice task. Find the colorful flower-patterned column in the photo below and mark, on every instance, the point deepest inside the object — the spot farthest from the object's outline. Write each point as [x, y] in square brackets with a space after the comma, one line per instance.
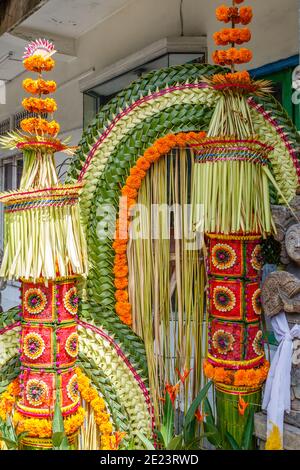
[236, 360]
[45, 248]
[49, 349]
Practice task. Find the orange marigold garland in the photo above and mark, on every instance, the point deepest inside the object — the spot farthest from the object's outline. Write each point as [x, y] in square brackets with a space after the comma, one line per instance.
[39, 64]
[240, 378]
[42, 428]
[37, 61]
[39, 87]
[109, 440]
[8, 399]
[39, 105]
[130, 191]
[40, 126]
[233, 35]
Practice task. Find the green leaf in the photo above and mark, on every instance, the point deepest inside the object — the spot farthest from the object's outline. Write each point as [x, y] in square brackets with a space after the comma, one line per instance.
[195, 405]
[248, 433]
[209, 418]
[189, 432]
[59, 438]
[167, 427]
[176, 443]
[233, 444]
[213, 435]
[148, 444]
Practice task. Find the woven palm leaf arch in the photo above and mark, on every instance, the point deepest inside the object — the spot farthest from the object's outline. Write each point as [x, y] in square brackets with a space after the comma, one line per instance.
[169, 101]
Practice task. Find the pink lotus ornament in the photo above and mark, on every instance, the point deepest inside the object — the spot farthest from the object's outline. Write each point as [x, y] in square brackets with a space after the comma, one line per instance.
[41, 47]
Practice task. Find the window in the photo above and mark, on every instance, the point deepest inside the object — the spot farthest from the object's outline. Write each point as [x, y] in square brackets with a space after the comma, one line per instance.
[12, 172]
[99, 95]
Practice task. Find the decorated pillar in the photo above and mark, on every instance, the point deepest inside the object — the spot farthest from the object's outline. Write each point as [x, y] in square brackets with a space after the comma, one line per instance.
[232, 184]
[44, 249]
[236, 360]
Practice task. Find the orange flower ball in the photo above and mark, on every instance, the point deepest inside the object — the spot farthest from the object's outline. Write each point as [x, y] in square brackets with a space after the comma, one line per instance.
[38, 63]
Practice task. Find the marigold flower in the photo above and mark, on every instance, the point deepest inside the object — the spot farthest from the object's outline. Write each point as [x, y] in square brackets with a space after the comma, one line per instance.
[143, 163]
[121, 283]
[38, 63]
[222, 13]
[121, 295]
[152, 155]
[120, 259]
[38, 105]
[136, 171]
[129, 192]
[134, 182]
[39, 87]
[123, 308]
[120, 271]
[246, 15]
[106, 428]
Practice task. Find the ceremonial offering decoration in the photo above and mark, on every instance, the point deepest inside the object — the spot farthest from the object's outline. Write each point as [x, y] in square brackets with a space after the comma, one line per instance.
[106, 343]
[45, 249]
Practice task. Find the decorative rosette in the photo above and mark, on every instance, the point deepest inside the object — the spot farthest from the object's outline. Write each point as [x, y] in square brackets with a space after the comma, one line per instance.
[35, 301]
[256, 302]
[257, 258]
[72, 388]
[224, 299]
[258, 343]
[71, 301]
[223, 341]
[72, 345]
[34, 346]
[36, 392]
[223, 256]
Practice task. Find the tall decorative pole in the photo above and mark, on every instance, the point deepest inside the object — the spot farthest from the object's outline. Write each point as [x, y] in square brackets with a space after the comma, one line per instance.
[44, 249]
[232, 183]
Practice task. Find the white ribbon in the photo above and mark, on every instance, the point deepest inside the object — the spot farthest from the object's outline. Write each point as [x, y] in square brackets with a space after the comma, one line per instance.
[277, 396]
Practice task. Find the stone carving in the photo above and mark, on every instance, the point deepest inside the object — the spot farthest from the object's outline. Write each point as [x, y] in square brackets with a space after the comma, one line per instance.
[281, 290]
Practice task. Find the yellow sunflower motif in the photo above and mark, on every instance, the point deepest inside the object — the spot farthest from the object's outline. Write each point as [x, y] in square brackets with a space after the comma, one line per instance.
[257, 258]
[33, 346]
[223, 256]
[223, 341]
[36, 392]
[258, 344]
[256, 302]
[224, 299]
[71, 301]
[71, 346]
[35, 301]
[72, 388]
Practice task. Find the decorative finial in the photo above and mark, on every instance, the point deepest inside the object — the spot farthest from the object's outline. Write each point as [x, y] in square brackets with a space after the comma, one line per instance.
[41, 47]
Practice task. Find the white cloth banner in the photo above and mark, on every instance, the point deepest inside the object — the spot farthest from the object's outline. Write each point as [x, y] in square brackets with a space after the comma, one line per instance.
[277, 396]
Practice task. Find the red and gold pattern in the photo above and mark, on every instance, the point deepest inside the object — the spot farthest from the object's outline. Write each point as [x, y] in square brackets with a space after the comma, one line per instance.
[39, 393]
[245, 251]
[49, 343]
[234, 305]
